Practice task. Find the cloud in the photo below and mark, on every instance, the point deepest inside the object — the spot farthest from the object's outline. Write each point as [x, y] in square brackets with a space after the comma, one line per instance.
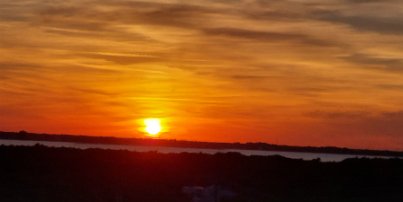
[397, 87]
[94, 91]
[259, 65]
[123, 59]
[10, 66]
[334, 115]
[122, 12]
[265, 36]
[383, 17]
[387, 123]
[363, 123]
[388, 25]
[376, 62]
[365, 1]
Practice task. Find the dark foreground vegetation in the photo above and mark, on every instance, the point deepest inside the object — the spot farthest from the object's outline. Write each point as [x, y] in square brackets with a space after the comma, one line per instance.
[23, 135]
[41, 174]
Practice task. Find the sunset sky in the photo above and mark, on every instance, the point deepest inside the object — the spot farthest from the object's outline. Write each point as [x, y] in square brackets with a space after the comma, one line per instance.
[296, 72]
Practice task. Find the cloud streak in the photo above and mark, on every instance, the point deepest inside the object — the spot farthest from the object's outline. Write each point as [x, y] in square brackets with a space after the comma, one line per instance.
[256, 67]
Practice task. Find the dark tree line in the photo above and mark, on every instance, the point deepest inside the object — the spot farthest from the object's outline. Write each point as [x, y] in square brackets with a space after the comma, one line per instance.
[60, 174]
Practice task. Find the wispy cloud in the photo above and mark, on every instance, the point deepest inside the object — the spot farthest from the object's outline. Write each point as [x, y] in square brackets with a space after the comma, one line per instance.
[258, 66]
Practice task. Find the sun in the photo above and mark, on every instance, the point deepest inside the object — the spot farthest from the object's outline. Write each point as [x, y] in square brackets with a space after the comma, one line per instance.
[152, 126]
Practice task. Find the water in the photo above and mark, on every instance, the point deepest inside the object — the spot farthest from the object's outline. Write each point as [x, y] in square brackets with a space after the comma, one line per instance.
[294, 155]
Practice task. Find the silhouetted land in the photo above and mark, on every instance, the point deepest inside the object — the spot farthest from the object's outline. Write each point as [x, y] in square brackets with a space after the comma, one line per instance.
[41, 174]
[191, 144]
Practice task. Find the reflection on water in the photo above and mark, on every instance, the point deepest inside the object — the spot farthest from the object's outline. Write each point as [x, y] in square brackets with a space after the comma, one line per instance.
[293, 155]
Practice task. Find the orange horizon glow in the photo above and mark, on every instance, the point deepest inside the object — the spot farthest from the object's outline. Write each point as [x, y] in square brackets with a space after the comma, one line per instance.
[282, 72]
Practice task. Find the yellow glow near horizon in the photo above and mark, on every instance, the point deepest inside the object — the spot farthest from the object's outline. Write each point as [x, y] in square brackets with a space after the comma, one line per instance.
[152, 126]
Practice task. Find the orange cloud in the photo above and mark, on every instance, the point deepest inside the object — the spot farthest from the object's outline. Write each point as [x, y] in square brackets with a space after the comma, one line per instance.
[289, 72]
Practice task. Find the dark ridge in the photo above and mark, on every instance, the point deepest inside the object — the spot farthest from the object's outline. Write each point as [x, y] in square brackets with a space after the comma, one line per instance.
[23, 135]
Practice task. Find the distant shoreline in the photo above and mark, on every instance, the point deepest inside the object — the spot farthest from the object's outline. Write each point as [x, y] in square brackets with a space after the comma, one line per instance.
[192, 144]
